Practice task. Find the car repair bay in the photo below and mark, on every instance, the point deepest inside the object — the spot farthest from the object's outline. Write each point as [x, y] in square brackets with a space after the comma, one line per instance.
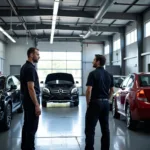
[63, 129]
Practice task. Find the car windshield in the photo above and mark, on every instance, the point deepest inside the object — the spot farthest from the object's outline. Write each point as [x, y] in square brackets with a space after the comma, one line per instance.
[118, 80]
[144, 80]
[2, 83]
[59, 78]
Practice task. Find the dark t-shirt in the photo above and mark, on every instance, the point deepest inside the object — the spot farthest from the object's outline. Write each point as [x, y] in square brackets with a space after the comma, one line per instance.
[101, 82]
[28, 73]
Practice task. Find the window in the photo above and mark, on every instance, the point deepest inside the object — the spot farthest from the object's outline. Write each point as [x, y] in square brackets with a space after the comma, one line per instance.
[10, 82]
[117, 45]
[130, 82]
[106, 49]
[124, 84]
[147, 29]
[144, 80]
[56, 62]
[131, 37]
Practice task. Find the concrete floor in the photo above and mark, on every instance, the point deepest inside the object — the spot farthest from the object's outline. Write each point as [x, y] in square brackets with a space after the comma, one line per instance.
[63, 129]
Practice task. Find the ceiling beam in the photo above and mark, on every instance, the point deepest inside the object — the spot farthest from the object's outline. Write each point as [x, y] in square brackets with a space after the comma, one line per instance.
[63, 27]
[128, 4]
[68, 13]
[121, 16]
[47, 37]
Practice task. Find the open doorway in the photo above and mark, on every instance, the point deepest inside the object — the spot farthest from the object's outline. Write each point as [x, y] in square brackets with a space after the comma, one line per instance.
[15, 69]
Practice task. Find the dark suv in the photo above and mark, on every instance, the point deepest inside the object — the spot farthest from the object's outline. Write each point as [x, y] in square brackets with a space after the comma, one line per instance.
[60, 87]
[10, 99]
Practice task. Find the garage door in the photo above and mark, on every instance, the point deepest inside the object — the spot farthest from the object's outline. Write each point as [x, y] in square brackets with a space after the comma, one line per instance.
[52, 62]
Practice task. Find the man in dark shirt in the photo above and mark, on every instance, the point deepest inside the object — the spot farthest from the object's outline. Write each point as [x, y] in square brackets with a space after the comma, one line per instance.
[99, 90]
[30, 91]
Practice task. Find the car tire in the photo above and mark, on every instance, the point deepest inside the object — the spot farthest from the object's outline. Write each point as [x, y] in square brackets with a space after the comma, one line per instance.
[131, 124]
[20, 109]
[114, 110]
[7, 117]
[44, 103]
[76, 103]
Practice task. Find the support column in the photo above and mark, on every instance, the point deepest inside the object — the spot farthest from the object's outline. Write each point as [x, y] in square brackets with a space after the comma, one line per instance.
[140, 37]
[110, 42]
[123, 49]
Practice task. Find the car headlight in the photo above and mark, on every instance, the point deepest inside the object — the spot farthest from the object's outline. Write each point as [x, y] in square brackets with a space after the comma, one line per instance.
[74, 90]
[46, 90]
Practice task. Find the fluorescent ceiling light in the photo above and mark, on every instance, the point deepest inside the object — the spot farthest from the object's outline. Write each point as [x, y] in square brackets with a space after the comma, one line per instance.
[88, 33]
[54, 17]
[6, 34]
[55, 11]
[53, 23]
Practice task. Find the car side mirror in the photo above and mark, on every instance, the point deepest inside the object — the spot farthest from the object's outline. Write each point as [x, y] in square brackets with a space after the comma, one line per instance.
[77, 82]
[117, 85]
[13, 87]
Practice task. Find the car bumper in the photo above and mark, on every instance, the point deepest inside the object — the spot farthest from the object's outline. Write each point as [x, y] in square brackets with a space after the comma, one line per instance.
[60, 98]
[142, 112]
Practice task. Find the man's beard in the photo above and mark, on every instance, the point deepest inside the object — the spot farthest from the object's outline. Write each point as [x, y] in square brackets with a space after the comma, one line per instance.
[35, 60]
[94, 65]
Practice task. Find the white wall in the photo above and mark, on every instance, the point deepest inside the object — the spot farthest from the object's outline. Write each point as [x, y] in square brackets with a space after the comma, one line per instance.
[89, 51]
[2, 49]
[107, 55]
[117, 53]
[146, 47]
[88, 54]
[2, 53]
[59, 46]
[131, 51]
[16, 53]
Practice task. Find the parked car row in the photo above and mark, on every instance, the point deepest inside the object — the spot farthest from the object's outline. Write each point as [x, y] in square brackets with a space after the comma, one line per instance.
[132, 100]
[58, 87]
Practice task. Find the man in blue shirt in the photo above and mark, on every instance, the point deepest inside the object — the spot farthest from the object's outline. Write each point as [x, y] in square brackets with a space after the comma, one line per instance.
[99, 90]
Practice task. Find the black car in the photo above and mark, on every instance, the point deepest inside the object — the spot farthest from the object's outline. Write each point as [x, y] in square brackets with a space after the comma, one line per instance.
[10, 99]
[60, 87]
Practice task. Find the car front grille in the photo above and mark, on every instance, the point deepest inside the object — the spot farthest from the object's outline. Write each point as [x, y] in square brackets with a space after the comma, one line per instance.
[60, 91]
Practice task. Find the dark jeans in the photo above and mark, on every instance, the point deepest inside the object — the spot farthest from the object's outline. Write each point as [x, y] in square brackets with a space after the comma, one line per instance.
[97, 110]
[29, 128]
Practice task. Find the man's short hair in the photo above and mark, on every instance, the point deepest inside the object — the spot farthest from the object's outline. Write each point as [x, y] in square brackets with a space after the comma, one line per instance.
[31, 50]
[101, 58]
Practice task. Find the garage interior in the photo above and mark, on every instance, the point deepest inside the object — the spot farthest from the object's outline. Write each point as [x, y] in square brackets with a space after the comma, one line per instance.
[68, 42]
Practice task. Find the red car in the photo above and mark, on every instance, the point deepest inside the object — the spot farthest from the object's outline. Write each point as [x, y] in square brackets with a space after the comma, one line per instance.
[132, 100]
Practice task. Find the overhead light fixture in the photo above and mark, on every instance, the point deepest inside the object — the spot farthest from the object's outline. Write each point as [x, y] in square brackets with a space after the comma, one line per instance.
[56, 6]
[88, 33]
[6, 34]
[54, 18]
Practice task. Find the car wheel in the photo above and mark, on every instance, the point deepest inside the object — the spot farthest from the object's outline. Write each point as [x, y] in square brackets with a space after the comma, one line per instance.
[114, 110]
[131, 124]
[20, 109]
[44, 103]
[7, 117]
[76, 103]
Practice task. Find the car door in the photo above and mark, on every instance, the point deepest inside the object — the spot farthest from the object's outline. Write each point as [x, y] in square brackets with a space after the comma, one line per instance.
[120, 93]
[17, 91]
[11, 92]
[125, 91]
